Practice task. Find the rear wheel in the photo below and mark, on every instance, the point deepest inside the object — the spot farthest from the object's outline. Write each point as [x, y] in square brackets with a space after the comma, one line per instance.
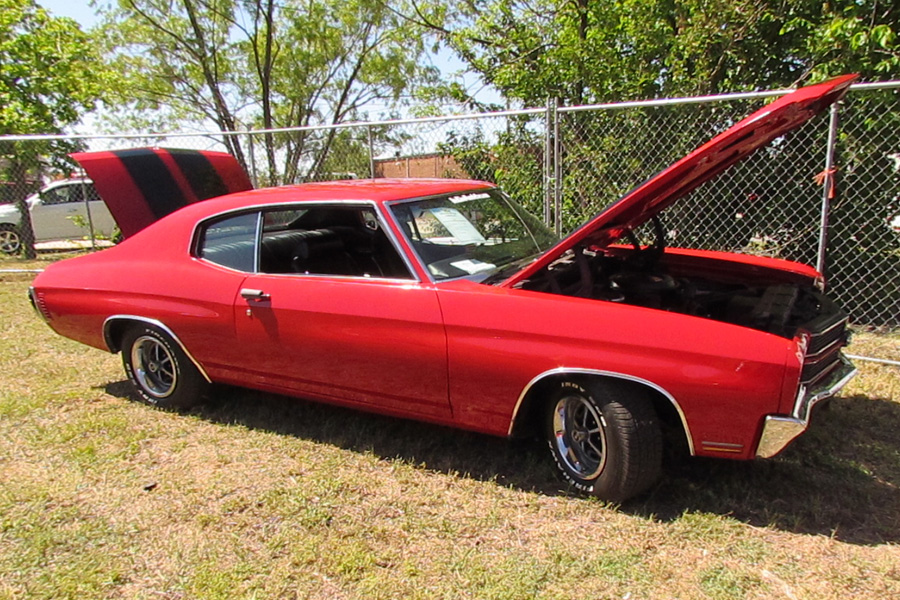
[605, 439]
[10, 240]
[160, 370]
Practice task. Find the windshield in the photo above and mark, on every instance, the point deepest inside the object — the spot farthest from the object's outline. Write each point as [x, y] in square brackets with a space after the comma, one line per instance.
[471, 234]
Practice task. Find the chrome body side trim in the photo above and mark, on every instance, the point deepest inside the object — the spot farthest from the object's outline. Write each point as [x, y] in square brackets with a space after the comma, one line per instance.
[112, 347]
[779, 430]
[612, 374]
[721, 447]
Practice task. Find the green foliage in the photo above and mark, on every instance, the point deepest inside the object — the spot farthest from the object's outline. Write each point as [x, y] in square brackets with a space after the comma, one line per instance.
[581, 51]
[264, 64]
[50, 74]
[50, 70]
[514, 161]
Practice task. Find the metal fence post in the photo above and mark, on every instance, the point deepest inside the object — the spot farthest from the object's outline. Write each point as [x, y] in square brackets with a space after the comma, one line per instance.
[557, 170]
[253, 172]
[827, 186]
[548, 162]
[371, 152]
[87, 209]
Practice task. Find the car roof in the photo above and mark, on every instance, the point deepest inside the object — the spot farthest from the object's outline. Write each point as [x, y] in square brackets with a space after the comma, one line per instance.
[351, 190]
[68, 181]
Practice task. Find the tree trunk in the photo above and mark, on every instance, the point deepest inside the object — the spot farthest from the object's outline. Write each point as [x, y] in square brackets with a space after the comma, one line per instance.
[20, 192]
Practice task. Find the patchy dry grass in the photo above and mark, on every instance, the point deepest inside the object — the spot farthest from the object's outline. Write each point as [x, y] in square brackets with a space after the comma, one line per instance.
[259, 496]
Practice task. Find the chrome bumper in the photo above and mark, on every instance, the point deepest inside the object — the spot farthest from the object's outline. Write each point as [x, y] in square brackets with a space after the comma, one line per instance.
[779, 431]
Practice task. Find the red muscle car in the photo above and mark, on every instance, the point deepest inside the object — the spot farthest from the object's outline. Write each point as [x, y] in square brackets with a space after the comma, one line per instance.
[442, 300]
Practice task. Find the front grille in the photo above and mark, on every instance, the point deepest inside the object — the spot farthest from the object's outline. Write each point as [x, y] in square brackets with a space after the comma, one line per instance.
[830, 332]
[827, 337]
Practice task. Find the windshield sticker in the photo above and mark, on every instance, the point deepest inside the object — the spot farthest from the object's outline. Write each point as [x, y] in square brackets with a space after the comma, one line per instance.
[458, 225]
[468, 198]
[472, 266]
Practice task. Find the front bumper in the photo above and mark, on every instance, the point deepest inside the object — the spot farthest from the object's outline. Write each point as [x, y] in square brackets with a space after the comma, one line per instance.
[779, 431]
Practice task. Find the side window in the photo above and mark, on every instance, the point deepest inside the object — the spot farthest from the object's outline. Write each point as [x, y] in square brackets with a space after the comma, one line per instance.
[231, 242]
[70, 192]
[57, 195]
[329, 240]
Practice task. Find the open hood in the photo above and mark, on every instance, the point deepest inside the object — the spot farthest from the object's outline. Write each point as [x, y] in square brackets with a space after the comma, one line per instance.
[663, 189]
[143, 185]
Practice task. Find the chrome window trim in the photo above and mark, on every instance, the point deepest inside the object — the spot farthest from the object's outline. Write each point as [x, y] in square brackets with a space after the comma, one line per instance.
[326, 276]
[195, 239]
[613, 374]
[386, 221]
[155, 322]
[257, 242]
[206, 261]
[306, 205]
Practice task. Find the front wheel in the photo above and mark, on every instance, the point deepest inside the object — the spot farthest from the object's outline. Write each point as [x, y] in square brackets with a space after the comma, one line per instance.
[10, 240]
[605, 439]
[160, 370]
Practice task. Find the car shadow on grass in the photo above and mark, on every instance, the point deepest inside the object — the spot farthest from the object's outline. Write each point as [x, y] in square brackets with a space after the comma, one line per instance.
[842, 479]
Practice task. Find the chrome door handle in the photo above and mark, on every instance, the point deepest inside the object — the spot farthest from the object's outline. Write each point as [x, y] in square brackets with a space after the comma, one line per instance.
[249, 294]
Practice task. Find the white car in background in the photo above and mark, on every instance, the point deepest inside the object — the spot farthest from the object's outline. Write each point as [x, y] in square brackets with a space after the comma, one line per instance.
[58, 212]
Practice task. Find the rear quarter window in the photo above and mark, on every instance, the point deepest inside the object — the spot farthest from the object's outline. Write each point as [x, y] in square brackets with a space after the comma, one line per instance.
[231, 242]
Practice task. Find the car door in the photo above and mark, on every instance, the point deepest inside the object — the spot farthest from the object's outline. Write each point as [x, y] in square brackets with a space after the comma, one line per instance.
[347, 323]
[53, 216]
[100, 217]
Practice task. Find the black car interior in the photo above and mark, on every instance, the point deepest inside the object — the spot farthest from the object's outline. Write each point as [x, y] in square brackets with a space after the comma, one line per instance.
[344, 241]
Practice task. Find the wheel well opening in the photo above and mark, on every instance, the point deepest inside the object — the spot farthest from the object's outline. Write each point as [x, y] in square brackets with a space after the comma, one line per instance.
[528, 421]
[115, 332]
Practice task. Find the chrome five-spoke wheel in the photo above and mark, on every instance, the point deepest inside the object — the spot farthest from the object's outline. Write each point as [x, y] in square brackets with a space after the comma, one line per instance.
[580, 435]
[162, 372]
[10, 241]
[154, 366]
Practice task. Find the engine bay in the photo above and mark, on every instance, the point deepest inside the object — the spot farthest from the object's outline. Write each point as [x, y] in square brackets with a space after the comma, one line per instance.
[647, 276]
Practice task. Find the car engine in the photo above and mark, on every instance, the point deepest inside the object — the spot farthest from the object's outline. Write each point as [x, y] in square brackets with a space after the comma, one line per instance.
[643, 277]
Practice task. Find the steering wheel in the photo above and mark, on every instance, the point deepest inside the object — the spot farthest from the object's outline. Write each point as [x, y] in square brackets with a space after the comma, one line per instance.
[644, 258]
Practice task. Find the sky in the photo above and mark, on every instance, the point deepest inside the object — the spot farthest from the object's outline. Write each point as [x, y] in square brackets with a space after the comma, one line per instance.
[80, 10]
[449, 64]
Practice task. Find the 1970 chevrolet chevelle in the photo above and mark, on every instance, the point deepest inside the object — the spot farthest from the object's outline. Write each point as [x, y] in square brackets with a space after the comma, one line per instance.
[442, 300]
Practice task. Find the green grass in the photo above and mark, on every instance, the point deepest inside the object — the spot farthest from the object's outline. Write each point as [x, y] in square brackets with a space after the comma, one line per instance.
[260, 496]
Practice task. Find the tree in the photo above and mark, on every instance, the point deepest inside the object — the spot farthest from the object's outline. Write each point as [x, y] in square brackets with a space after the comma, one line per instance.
[50, 74]
[266, 64]
[581, 51]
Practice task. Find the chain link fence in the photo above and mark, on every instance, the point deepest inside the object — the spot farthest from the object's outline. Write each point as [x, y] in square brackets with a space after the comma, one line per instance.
[777, 202]
[565, 164]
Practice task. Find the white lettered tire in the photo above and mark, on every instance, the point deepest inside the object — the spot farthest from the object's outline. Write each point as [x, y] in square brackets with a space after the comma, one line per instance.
[605, 438]
[161, 372]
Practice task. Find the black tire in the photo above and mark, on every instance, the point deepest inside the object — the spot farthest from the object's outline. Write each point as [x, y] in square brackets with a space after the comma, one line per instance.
[161, 372]
[10, 239]
[605, 438]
